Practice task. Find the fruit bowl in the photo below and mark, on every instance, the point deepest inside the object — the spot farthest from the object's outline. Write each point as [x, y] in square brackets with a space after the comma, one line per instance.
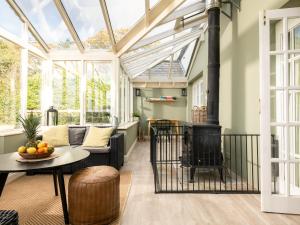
[35, 156]
[36, 150]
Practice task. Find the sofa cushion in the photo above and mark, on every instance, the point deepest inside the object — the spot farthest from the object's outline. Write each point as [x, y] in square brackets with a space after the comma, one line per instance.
[76, 135]
[57, 135]
[98, 137]
[94, 149]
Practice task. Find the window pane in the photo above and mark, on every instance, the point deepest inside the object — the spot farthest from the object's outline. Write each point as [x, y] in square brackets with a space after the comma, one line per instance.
[88, 21]
[98, 94]
[48, 22]
[66, 89]
[10, 56]
[34, 85]
[294, 33]
[13, 24]
[187, 55]
[123, 15]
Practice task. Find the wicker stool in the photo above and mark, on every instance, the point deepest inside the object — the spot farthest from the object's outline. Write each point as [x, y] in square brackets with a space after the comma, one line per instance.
[94, 196]
[9, 217]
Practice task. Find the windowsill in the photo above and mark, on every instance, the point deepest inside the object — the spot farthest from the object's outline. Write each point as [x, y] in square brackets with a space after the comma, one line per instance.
[10, 132]
[125, 126]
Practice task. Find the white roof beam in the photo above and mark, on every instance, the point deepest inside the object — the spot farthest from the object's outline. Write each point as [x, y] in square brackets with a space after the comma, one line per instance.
[138, 55]
[185, 11]
[62, 11]
[31, 28]
[149, 64]
[108, 24]
[201, 19]
[147, 12]
[159, 12]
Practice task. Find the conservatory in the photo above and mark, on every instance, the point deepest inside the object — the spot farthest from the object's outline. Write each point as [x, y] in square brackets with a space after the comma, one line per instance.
[80, 56]
[115, 111]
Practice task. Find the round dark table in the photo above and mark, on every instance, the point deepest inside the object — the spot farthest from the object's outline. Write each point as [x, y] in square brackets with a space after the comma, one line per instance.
[9, 164]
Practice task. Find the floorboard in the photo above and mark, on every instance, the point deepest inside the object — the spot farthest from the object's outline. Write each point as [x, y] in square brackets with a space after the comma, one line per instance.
[146, 208]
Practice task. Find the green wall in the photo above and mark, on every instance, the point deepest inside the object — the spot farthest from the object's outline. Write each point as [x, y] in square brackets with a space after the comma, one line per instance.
[239, 71]
[198, 71]
[11, 142]
[176, 110]
[130, 136]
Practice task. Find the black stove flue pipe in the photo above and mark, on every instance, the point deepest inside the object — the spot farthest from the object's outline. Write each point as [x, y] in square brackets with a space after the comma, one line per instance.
[213, 11]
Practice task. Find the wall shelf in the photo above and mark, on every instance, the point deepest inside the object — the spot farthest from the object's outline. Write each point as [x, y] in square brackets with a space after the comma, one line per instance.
[160, 100]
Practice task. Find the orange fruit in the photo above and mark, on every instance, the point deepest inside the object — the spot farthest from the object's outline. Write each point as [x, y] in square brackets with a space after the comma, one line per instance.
[41, 150]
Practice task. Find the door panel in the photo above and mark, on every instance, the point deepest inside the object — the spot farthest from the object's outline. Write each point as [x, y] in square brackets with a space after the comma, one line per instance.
[280, 110]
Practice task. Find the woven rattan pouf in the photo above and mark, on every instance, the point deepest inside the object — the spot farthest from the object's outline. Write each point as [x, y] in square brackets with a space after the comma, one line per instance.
[94, 196]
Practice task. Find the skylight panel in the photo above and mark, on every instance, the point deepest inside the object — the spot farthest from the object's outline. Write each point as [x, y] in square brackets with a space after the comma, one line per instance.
[124, 15]
[87, 18]
[13, 25]
[162, 28]
[47, 21]
[187, 56]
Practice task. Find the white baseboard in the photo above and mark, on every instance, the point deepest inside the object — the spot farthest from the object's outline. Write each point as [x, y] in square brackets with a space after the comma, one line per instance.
[126, 157]
[13, 176]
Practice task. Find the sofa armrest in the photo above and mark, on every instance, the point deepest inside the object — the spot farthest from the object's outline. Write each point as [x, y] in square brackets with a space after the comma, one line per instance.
[39, 137]
[117, 150]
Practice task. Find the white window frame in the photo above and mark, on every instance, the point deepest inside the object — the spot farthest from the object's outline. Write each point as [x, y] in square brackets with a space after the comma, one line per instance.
[198, 93]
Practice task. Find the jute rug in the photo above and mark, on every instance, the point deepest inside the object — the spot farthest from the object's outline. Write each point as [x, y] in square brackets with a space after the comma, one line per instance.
[34, 199]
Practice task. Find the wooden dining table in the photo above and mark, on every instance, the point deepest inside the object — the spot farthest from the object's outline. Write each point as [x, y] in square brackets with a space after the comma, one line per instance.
[174, 123]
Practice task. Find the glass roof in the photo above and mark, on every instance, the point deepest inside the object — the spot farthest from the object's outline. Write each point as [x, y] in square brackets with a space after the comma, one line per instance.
[186, 58]
[45, 18]
[162, 28]
[88, 22]
[123, 15]
[13, 24]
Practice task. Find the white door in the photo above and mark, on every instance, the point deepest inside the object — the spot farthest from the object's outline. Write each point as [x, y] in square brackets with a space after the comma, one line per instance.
[280, 110]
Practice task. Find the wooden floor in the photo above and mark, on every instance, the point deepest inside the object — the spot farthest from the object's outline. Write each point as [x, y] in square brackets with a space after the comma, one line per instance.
[146, 208]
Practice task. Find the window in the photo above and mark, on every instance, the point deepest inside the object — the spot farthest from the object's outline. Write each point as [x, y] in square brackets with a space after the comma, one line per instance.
[98, 92]
[10, 83]
[34, 85]
[198, 93]
[66, 91]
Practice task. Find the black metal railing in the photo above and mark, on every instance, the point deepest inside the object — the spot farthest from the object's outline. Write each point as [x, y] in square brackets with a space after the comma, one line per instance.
[217, 163]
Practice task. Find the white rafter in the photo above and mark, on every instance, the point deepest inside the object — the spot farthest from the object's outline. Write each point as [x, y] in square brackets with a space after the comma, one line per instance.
[108, 24]
[198, 6]
[159, 12]
[150, 62]
[193, 23]
[136, 56]
[31, 28]
[62, 11]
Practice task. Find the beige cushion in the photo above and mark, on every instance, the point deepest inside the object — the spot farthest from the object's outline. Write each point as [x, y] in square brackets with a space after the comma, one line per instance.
[97, 137]
[57, 135]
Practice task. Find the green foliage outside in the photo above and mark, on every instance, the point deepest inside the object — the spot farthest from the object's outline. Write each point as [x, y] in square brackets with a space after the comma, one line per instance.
[9, 82]
[66, 86]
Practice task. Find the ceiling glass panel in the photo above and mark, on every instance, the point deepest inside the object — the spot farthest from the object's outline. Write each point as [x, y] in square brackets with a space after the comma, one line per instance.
[47, 21]
[187, 3]
[186, 58]
[124, 14]
[13, 25]
[88, 21]
[162, 28]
